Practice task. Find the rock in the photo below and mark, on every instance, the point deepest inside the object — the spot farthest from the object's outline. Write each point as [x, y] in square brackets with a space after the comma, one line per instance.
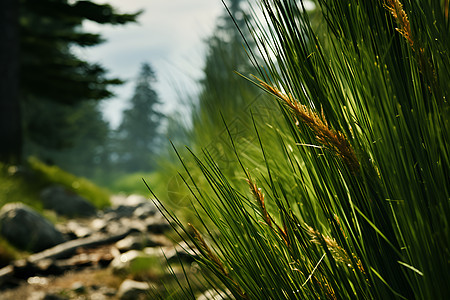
[132, 290]
[121, 263]
[118, 199]
[135, 200]
[145, 210]
[65, 202]
[26, 229]
[99, 224]
[80, 231]
[138, 225]
[78, 287]
[69, 248]
[124, 211]
[183, 252]
[52, 296]
[131, 242]
[140, 241]
[158, 225]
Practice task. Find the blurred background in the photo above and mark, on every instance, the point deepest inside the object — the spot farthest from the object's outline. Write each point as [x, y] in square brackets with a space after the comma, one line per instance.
[99, 89]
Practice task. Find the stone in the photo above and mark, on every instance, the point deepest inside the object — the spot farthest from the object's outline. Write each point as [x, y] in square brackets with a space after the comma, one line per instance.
[158, 225]
[78, 287]
[132, 290]
[141, 241]
[65, 202]
[131, 242]
[78, 230]
[135, 200]
[52, 296]
[124, 211]
[27, 229]
[185, 253]
[99, 224]
[121, 263]
[145, 210]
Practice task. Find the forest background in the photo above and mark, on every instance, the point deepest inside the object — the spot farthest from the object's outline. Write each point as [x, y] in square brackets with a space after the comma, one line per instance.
[59, 95]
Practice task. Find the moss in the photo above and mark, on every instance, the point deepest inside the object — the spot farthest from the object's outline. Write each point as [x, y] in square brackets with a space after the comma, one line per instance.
[54, 175]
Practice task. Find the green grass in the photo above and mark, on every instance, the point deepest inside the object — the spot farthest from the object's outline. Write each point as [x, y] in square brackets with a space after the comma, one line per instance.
[54, 175]
[18, 186]
[349, 197]
[131, 183]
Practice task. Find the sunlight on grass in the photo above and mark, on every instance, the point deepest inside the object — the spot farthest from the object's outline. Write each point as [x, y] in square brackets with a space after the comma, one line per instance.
[52, 174]
[347, 197]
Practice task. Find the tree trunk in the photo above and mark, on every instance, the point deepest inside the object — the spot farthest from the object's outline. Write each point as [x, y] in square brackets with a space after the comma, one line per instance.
[10, 121]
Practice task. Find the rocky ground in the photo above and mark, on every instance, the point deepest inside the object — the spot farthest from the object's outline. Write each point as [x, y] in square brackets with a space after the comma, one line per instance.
[116, 253]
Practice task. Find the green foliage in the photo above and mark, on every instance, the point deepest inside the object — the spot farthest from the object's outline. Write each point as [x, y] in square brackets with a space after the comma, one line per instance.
[15, 187]
[25, 183]
[352, 198]
[7, 253]
[74, 137]
[59, 91]
[83, 187]
[223, 95]
[138, 136]
[224, 98]
[49, 67]
[131, 183]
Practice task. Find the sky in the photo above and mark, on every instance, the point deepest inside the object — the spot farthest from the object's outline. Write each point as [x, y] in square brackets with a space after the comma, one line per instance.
[169, 35]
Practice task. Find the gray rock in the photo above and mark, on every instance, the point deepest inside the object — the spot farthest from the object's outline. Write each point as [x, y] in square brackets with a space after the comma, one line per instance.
[135, 200]
[145, 210]
[77, 229]
[99, 224]
[124, 211]
[65, 202]
[141, 241]
[122, 262]
[131, 242]
[26, 229]
[132, 290]
[182, 252]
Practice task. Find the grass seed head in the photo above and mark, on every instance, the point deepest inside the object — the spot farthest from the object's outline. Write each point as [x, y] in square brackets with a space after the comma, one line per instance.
[335, 141]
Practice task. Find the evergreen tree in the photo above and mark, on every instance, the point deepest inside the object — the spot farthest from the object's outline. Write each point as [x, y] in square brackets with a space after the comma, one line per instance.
[49, 31]
[221, 87]
[46, 68]
[138, 136]
[86, 153]
[224, 95]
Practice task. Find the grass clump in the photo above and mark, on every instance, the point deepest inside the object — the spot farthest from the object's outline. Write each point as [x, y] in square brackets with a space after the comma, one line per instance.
[54, 175]
[350, 198]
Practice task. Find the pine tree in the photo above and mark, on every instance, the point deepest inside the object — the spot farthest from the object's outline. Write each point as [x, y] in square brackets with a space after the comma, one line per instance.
[46, 70]
[138, 136]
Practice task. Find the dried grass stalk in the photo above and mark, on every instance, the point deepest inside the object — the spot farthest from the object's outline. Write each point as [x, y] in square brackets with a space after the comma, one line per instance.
[204, 246]
[339, 254]
[217, 262]
[331, 139]
[259, 196]
[395, 7]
